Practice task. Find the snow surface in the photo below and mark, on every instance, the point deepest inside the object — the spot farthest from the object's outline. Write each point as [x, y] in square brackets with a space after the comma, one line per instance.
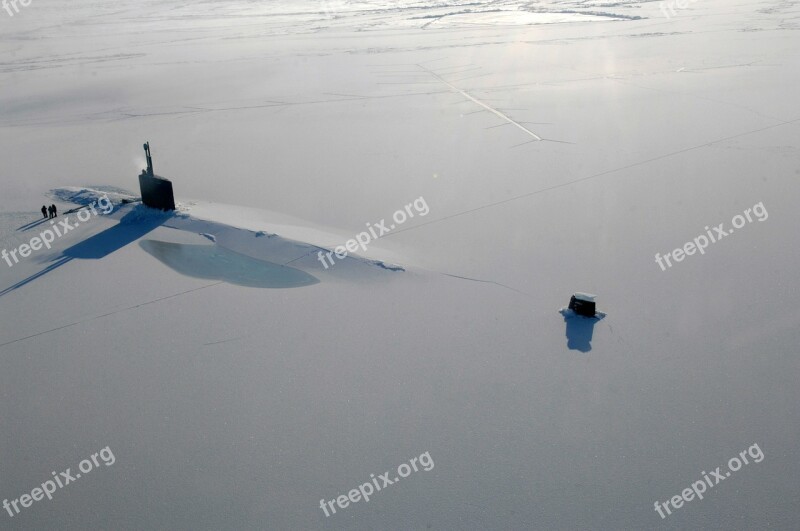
[560, 145]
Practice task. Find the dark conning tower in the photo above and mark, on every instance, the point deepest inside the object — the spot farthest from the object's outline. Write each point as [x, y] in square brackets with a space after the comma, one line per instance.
[156, 191]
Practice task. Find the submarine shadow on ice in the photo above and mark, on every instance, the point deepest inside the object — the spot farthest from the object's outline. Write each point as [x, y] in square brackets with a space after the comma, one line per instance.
[134, 225]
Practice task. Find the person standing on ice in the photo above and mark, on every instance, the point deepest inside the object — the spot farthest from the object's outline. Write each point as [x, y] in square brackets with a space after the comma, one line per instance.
[44, 211]
[55, 211]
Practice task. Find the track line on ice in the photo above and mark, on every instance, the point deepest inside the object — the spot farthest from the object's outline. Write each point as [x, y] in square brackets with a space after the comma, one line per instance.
[479, 102]
[486, 282]
[224, 341]
[589, 177]
[110, 313]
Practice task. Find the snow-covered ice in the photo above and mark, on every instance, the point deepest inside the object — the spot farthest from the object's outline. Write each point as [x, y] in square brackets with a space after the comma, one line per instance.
[559, 146]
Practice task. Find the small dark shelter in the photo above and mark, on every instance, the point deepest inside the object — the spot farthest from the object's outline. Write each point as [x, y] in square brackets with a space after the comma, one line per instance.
[156, 191]
[583, 304]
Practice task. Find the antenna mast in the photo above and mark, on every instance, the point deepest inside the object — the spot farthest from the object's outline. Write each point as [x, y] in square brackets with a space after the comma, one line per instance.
[149, 159]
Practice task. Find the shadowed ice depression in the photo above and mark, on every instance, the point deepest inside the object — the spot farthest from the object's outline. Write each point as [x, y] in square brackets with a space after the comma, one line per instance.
[213, 262]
